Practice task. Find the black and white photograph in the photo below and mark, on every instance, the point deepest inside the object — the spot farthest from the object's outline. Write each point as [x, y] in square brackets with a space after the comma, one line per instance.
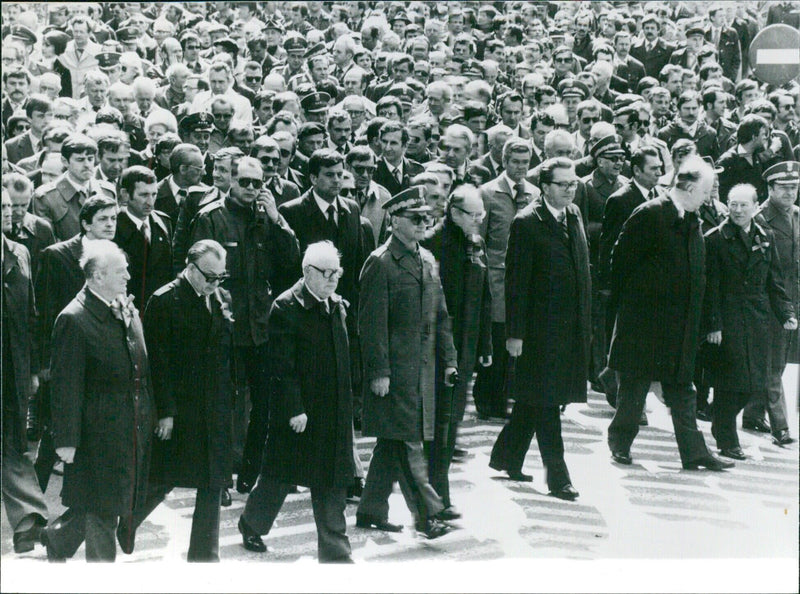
[400, 296]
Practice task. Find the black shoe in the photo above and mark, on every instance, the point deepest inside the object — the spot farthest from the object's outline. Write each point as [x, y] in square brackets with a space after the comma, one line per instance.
[567, 493]
[518, 475]
[243, 486]
[622, 458]
[449, 513]
[460, 453]
[25, 541]
[250, 538]
[52, 556]
[355, 490]
[759, 425]
[712, 463]
[357, 423]
[735, 453]
[225, 498]
[126, 535]
[782, 438]
[643, 422]
[704, 415]
[433, 528]
[373, 523]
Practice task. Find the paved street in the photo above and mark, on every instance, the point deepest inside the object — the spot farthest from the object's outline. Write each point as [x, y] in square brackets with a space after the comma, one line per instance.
[651, 510]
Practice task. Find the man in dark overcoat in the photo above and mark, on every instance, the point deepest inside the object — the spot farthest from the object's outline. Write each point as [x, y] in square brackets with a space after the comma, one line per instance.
[745, 290]
[548, 325]
[405, 334]
[23, 499]
[657, 283]
[187, 325]
[102, 404]
[310, 437]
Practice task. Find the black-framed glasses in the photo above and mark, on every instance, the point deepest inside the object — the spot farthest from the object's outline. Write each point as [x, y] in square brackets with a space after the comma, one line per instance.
[417, 219]
[364, 169]
[475, 216]
[562, 60]
[570, 185]
[328, 273]
[212, 278]
[192, 47]
[247, 182]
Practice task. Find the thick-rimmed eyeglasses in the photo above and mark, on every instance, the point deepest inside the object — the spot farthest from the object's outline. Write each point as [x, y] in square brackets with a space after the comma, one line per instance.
[328, 273]
[570, 185]
[212, 278]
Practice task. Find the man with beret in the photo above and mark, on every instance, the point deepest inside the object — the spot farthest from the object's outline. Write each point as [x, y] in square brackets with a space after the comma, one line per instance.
[781, 215]
[405, 338]
[653, 52]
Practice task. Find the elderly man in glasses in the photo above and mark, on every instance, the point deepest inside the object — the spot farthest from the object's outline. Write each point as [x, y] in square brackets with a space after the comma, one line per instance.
[263, 261]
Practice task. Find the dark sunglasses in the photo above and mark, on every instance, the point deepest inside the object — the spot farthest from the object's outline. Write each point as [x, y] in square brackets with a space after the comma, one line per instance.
[212, 278]
[417, 219]
[253, 79]
[267, 160]
[644, 123]
[364, 169]
[246, 182]
[192, 47]
[563, 60]
[347, 192]
[590, 120]
[286, 153]
[614, 158]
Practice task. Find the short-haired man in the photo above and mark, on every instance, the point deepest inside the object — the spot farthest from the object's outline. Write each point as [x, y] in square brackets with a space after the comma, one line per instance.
[113, 153]
[220, 79]
[39, 109]
[395, 170]
[741, 162]
[369, 195]
[689, 125]
[187, 167]
[27, 229]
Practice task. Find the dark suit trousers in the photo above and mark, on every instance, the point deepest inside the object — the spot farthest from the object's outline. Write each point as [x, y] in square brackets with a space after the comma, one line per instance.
[266, 500]
[403, 461]
[723, 426]
[491, 386]
[439, 452]
[204, 539]
[46, 456]
[74, 526]
[773, 400]
[682, 401]
[254, 361]
[514, 440]
[22, 497]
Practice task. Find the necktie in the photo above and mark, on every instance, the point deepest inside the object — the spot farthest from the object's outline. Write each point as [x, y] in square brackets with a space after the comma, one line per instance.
[15, 229]
[182, 196]
[145, 228]
[562, 225]
[81, 194]
[331, 222]
[326, 307]
[397, 175]
[519, 198]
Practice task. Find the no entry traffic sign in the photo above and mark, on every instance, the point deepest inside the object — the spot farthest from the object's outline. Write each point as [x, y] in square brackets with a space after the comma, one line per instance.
[775, 54]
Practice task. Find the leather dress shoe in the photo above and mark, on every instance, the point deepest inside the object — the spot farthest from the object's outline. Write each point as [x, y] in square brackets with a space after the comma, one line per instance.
[518, 475]
[567, 493]
[711, 463]
[460, 453]
[433, 528]
[704, 415]
[126, 535]
[622, 458]
[735, 453]
[373, 523]
[243, 486]
[759, 425]
[448, 513]
[250, 538]
[25, 541]
[225, 498]
[782, 438]
[52, 556]
[355, 490]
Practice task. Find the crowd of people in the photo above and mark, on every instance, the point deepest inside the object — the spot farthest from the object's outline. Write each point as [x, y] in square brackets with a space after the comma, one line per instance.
[236, 234]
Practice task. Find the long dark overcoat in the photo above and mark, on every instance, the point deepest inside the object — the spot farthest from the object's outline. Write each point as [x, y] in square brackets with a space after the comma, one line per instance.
[189, 350]
[745, 290]
[548, 303]
[310, 373]
[658, 280]
[102, 403]
[403, 322]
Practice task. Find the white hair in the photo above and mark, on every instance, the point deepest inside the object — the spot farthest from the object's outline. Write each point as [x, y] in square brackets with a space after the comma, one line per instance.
[558, 112]
[161, 117]
[317, 252]
[461, 132]
[96, 255]
[144, 84]
[557, 135]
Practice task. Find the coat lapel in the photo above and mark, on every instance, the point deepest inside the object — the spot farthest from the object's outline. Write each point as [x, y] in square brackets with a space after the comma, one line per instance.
[405, 259]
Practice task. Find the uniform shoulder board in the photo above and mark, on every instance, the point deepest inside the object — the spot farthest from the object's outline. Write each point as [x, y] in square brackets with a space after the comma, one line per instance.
[201, 188]
[210, 207]
[164, 289]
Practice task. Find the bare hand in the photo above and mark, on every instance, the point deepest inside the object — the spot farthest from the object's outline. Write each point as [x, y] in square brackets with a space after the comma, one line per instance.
[791, 324]
[298, 423]
[714, 337]
[514, 346]
[267, 201]
[34, 383]
[164, 429]
[380, 386]
[485, 361]
[66, 454]
[447, 373]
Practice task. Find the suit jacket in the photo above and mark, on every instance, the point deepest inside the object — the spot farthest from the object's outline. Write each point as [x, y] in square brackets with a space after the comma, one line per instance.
[372, 209]
[631, 71]
[618, 208]
[598, 188]
[310, 226]
[19, 147]
[59, 204]
[705, 138]
[738, 170]
[35, 234]
[167, 203]
[486, 162]
[149, 264]
[383, 177]
[283, 190]
[654, 60]
[729, 51]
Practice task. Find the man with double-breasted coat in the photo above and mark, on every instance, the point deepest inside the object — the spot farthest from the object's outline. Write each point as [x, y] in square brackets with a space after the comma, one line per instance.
[102, 408]
[405, 335]
[548, 325]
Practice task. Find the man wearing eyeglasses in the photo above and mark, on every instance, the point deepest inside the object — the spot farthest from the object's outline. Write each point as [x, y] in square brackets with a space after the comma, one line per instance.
[263, 260]
[186, 165]
[405, 337]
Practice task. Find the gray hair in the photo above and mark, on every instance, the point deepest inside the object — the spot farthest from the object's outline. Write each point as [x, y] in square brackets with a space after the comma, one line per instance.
[461, 132]
[316, 252]
[203, 247]
[557, 135]
[96, 255]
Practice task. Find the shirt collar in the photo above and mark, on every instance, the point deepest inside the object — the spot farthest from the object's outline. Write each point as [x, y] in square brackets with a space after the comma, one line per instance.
[139, 222]
[174, 187]
[96, 294]
[645, 192]
[322, 204]
[78, 188]
[313, 294]
[556, 213]
[392, 168]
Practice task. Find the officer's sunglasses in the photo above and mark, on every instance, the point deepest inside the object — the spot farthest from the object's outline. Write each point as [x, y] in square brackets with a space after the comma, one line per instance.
[417, 219]
[247, 182]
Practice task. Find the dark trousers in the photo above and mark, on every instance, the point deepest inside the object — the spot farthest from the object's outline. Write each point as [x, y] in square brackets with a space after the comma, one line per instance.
[682, 401]
[727, 405]
[439, 452]
[772, 401]
[599, 344]
[514, 440]
[74, 526]
[266, 500]
[22, 497]
[254, 362]
[46, 457]
[403, 461]
[701, 381]
[204, 539]
[491, 386]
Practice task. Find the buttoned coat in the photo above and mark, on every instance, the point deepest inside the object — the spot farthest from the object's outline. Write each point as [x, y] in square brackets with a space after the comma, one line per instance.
[729, 51]
[19, 147]
[189, 352]
[616, 211]
[745, 290]
[405, 335]
[705, 137]
[35, 233]
[548, 303]
[102, 403]
[658, 280]
[310, 374]
[501, 208]
[58, 203]
[598, 188]
[385, 178]
[653, 60]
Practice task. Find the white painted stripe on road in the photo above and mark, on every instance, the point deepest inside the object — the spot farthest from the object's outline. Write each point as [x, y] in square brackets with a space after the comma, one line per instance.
[786, 56]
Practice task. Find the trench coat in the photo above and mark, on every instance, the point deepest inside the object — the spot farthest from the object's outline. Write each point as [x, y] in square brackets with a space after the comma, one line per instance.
[102, 405]
[310, 373]
[548, 306]
[658, 281]
[405, 333]
[189, 351]
[745, 290]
